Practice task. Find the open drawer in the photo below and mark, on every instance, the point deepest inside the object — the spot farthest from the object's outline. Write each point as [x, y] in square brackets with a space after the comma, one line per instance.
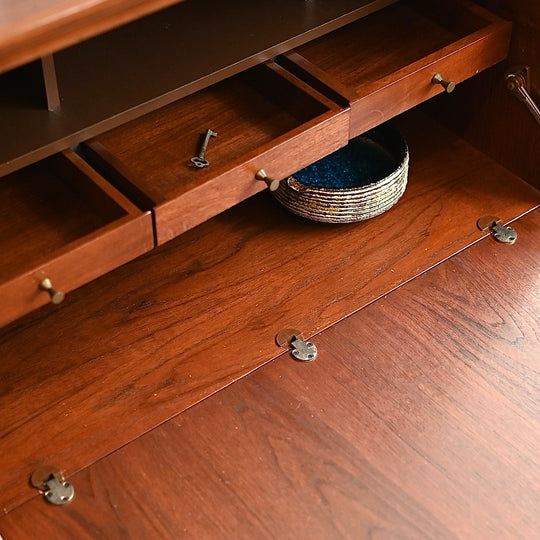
[62, 223]
[384, 64]
[265, 118]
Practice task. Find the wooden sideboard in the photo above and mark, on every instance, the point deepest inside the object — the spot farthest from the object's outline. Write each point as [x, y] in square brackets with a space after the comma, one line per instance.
[98, 132]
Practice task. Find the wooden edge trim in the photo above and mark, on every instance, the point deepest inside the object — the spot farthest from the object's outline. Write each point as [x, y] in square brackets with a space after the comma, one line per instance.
[316, 77]
[304, 86]
[113, 170]
[28, 42]
[51, 82]
[501, 29]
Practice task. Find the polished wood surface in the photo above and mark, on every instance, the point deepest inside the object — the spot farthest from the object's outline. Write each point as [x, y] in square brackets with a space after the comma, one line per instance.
[385, 64]
[61, 220]
[143, 343]
[147, 64]
[264, 119]
[418, 419]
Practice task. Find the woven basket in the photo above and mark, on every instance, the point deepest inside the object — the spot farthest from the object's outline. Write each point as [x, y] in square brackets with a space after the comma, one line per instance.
[375, 164]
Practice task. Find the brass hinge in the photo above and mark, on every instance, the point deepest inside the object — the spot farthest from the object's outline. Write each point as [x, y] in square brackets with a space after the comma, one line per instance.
[291, 338]
[501, 233]
[50, 481]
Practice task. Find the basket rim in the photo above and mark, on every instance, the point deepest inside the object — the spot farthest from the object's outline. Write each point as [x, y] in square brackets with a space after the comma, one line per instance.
[398, 171]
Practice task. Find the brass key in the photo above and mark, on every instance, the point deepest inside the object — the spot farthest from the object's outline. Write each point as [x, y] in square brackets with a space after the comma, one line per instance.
[200, 161]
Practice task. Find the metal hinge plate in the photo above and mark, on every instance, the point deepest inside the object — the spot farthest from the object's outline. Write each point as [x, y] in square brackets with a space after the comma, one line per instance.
[291, 338]
[50, 481]
[501, 233]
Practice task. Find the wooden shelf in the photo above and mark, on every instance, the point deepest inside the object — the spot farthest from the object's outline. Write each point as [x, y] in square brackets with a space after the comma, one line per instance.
[29, 30]
[161, 333]
[149, 63]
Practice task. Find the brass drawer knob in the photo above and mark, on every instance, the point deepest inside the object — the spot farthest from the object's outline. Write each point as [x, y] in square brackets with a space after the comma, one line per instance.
[272, 183]
[56, 296]
[447, 85]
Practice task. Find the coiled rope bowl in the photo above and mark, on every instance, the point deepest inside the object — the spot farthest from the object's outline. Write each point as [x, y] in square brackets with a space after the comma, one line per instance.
[357, 182]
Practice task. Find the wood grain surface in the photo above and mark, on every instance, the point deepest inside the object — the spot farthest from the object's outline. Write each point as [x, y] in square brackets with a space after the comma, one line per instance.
[383, 78]
[143, 343]
[264, 119]
[419, 419]
[61, 220]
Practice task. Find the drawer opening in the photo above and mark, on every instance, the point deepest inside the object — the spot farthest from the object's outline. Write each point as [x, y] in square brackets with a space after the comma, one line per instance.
[366, 51]
[384, 64]
[62, 221]
[264, 118]
[150, 156]
[46, 206]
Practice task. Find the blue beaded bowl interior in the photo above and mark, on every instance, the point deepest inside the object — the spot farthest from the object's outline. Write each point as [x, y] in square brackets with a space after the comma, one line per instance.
[357, 182]
[358, 164]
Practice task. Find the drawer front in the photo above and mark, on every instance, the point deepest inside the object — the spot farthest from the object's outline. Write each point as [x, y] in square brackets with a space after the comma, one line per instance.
[404, 93]
[99, 245]
[265, 118]
[281, 159]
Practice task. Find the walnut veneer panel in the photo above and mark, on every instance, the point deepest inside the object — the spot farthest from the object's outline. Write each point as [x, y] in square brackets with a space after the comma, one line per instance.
[417, 420]
[148, 340]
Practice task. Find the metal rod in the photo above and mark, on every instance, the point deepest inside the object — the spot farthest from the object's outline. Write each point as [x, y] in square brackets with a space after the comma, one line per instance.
[516, 85]
[529, 102]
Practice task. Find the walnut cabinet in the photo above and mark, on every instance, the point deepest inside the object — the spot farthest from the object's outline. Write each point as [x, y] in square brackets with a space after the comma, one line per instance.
[177, 278]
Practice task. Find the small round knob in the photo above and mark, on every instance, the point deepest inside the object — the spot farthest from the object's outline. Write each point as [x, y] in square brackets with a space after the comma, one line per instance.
[56, 296]
[447, 85]
[272, 183]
